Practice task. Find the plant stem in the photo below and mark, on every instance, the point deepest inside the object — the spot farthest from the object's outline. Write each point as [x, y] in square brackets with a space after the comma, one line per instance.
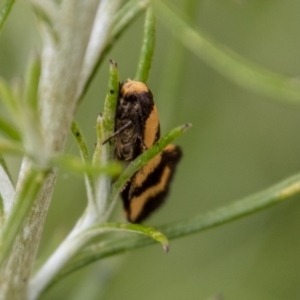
[66, 65]
[72, 244]
[14, 275]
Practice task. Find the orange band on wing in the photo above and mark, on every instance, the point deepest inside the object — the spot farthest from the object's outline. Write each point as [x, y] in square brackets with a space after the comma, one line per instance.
[138, 203]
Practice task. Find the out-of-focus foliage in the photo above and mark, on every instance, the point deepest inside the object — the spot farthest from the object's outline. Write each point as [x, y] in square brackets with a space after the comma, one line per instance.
[240, 143]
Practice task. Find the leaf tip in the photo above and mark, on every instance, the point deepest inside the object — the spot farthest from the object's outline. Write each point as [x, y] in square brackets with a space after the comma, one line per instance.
[113, 63]
[186, 126]
[100, 118]
[166, 248]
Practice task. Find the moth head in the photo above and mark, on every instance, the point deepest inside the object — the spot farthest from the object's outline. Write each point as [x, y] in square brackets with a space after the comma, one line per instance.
[132, 93]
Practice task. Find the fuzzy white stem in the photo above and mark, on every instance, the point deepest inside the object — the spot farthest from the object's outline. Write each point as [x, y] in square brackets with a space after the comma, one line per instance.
[71, 245]
[65, 69]
[7, 191]
[60, 257]
[99, 34]
[14, 276]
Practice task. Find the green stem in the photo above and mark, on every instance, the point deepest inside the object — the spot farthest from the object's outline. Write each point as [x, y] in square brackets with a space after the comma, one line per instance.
[147, 50]
[228, 63]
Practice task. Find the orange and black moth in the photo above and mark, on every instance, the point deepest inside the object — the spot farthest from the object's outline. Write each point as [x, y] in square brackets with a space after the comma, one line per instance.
[137, 128]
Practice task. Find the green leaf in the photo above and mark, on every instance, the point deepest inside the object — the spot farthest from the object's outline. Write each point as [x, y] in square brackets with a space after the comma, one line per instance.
[76, 165]
[100, 138]
[228, 63]
[81, 143]
[4, 166]
[93, 248]
[9, 100]
[147, 50]
[110, 103]
[89, 180]
[47, 11]
[9, 129]
[10, 147]
[106, 122]
[130, 11]
[252, 204]
[5, 12]
[128, 227]
[32, 84]
[105, 126]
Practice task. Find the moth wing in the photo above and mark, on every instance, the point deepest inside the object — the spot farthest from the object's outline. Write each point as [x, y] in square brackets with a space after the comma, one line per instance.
[149, 186]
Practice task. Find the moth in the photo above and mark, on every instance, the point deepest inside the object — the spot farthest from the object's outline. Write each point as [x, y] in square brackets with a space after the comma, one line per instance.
[137, 128]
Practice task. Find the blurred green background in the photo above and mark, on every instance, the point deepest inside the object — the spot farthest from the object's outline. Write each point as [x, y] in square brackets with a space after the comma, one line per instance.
[240, 143]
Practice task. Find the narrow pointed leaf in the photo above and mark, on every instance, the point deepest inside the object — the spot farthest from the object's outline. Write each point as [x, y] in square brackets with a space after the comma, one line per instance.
[147, 50]
[10, 147]
[9, 129]
[95, 231]
[132, 9]
[75, 164]
[9, 100]
[233, 211]
[227, 62]
[80, 140]
[32, 83]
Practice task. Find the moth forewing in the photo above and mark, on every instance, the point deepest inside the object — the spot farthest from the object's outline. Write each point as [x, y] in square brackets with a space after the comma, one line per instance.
[147, 189]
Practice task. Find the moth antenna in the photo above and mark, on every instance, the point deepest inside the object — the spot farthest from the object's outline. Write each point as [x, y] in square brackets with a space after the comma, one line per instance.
[117, 132]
